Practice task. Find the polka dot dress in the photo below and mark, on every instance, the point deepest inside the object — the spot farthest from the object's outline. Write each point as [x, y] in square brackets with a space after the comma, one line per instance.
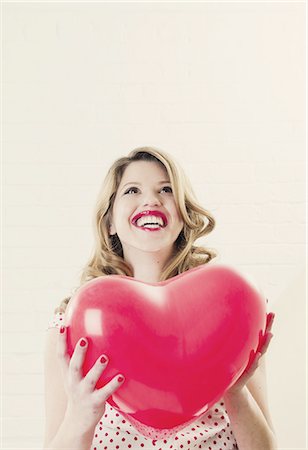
[211, 431]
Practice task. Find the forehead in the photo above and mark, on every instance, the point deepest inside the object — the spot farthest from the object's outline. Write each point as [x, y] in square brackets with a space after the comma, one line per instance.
[144, 171]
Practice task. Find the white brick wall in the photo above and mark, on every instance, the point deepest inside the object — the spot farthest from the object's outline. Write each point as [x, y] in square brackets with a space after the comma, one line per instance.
[218, 85]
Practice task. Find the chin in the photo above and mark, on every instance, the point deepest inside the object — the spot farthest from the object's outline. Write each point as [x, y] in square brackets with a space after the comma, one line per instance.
[150, 246]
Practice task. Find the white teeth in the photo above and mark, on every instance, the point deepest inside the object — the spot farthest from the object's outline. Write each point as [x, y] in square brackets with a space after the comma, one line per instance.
[153, 220]
[151, 225]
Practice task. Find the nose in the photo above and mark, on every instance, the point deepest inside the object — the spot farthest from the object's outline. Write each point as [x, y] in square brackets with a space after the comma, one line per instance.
[151, 199]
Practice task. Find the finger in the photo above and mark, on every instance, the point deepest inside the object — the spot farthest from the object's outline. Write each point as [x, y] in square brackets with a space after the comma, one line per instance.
[269, 321]
[255, 363]
[261, 341]
[104, 393]
[94, 373]
[267, 340]
[77, 359]
[252, 356]
[253, 367]
[62, 350]
[262, 336]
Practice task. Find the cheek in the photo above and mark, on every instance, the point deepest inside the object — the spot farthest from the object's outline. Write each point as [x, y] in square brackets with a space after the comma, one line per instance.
[176, 213]
[124, 212]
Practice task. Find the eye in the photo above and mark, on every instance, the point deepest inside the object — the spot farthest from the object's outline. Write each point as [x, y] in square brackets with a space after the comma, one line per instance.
[130, 189]
[134, 188]
[167, 187]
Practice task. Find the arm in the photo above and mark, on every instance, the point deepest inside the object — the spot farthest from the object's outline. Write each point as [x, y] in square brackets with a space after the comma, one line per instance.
[60, 430]
[68, 437]
[246, 401]
[249, 414]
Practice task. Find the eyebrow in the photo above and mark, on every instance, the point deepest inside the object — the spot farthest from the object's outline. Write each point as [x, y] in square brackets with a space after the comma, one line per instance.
[135, 182]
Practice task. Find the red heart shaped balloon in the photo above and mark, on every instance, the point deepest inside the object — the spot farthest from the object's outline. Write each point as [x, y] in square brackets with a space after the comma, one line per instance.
[180, 343]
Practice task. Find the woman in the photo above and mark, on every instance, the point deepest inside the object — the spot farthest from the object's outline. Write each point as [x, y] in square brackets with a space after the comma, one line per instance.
[77, 416]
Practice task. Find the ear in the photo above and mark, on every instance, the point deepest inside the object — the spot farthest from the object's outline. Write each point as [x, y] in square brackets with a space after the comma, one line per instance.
[112, 230]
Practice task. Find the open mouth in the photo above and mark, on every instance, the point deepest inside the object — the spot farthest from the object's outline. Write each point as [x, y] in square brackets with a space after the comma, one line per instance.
[150, 220]
[150, 224]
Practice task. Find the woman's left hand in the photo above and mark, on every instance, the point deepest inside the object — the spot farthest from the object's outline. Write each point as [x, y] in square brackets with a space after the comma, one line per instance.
[253, 363]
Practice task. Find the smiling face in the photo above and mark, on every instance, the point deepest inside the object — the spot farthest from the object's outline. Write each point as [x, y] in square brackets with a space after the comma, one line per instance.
[145, 186]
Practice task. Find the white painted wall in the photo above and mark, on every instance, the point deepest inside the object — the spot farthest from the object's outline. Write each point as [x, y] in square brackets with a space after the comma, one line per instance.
[221, 86]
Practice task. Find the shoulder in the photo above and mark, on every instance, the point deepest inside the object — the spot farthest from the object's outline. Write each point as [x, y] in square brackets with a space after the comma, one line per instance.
[58, 315]
[56, 321]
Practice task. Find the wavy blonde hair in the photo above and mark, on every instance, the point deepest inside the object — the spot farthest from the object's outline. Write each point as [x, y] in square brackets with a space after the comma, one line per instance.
[107, 256]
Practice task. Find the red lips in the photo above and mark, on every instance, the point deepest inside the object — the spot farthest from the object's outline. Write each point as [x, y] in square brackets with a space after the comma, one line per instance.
[150, 213]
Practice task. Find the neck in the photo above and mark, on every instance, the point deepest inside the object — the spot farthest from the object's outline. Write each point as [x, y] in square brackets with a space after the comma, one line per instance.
[147, 266]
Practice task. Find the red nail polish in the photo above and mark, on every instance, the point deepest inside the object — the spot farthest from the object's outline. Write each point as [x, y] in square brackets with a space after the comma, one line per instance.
[120, 379]
[103, 359]
[62, 329]
[83, 343]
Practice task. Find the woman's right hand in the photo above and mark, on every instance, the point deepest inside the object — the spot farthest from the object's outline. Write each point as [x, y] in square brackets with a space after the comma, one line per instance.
[85, 404]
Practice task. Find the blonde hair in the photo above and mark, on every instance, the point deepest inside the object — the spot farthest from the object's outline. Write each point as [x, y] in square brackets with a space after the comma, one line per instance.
[107, 257]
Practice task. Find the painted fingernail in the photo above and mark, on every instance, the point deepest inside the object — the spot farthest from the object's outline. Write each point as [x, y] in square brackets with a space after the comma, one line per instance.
[103, 359]
[271, 320]
[120, 379]
[83, 343]
[62, 329]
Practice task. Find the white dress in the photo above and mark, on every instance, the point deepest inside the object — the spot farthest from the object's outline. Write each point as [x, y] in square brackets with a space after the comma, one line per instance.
[212, 431]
